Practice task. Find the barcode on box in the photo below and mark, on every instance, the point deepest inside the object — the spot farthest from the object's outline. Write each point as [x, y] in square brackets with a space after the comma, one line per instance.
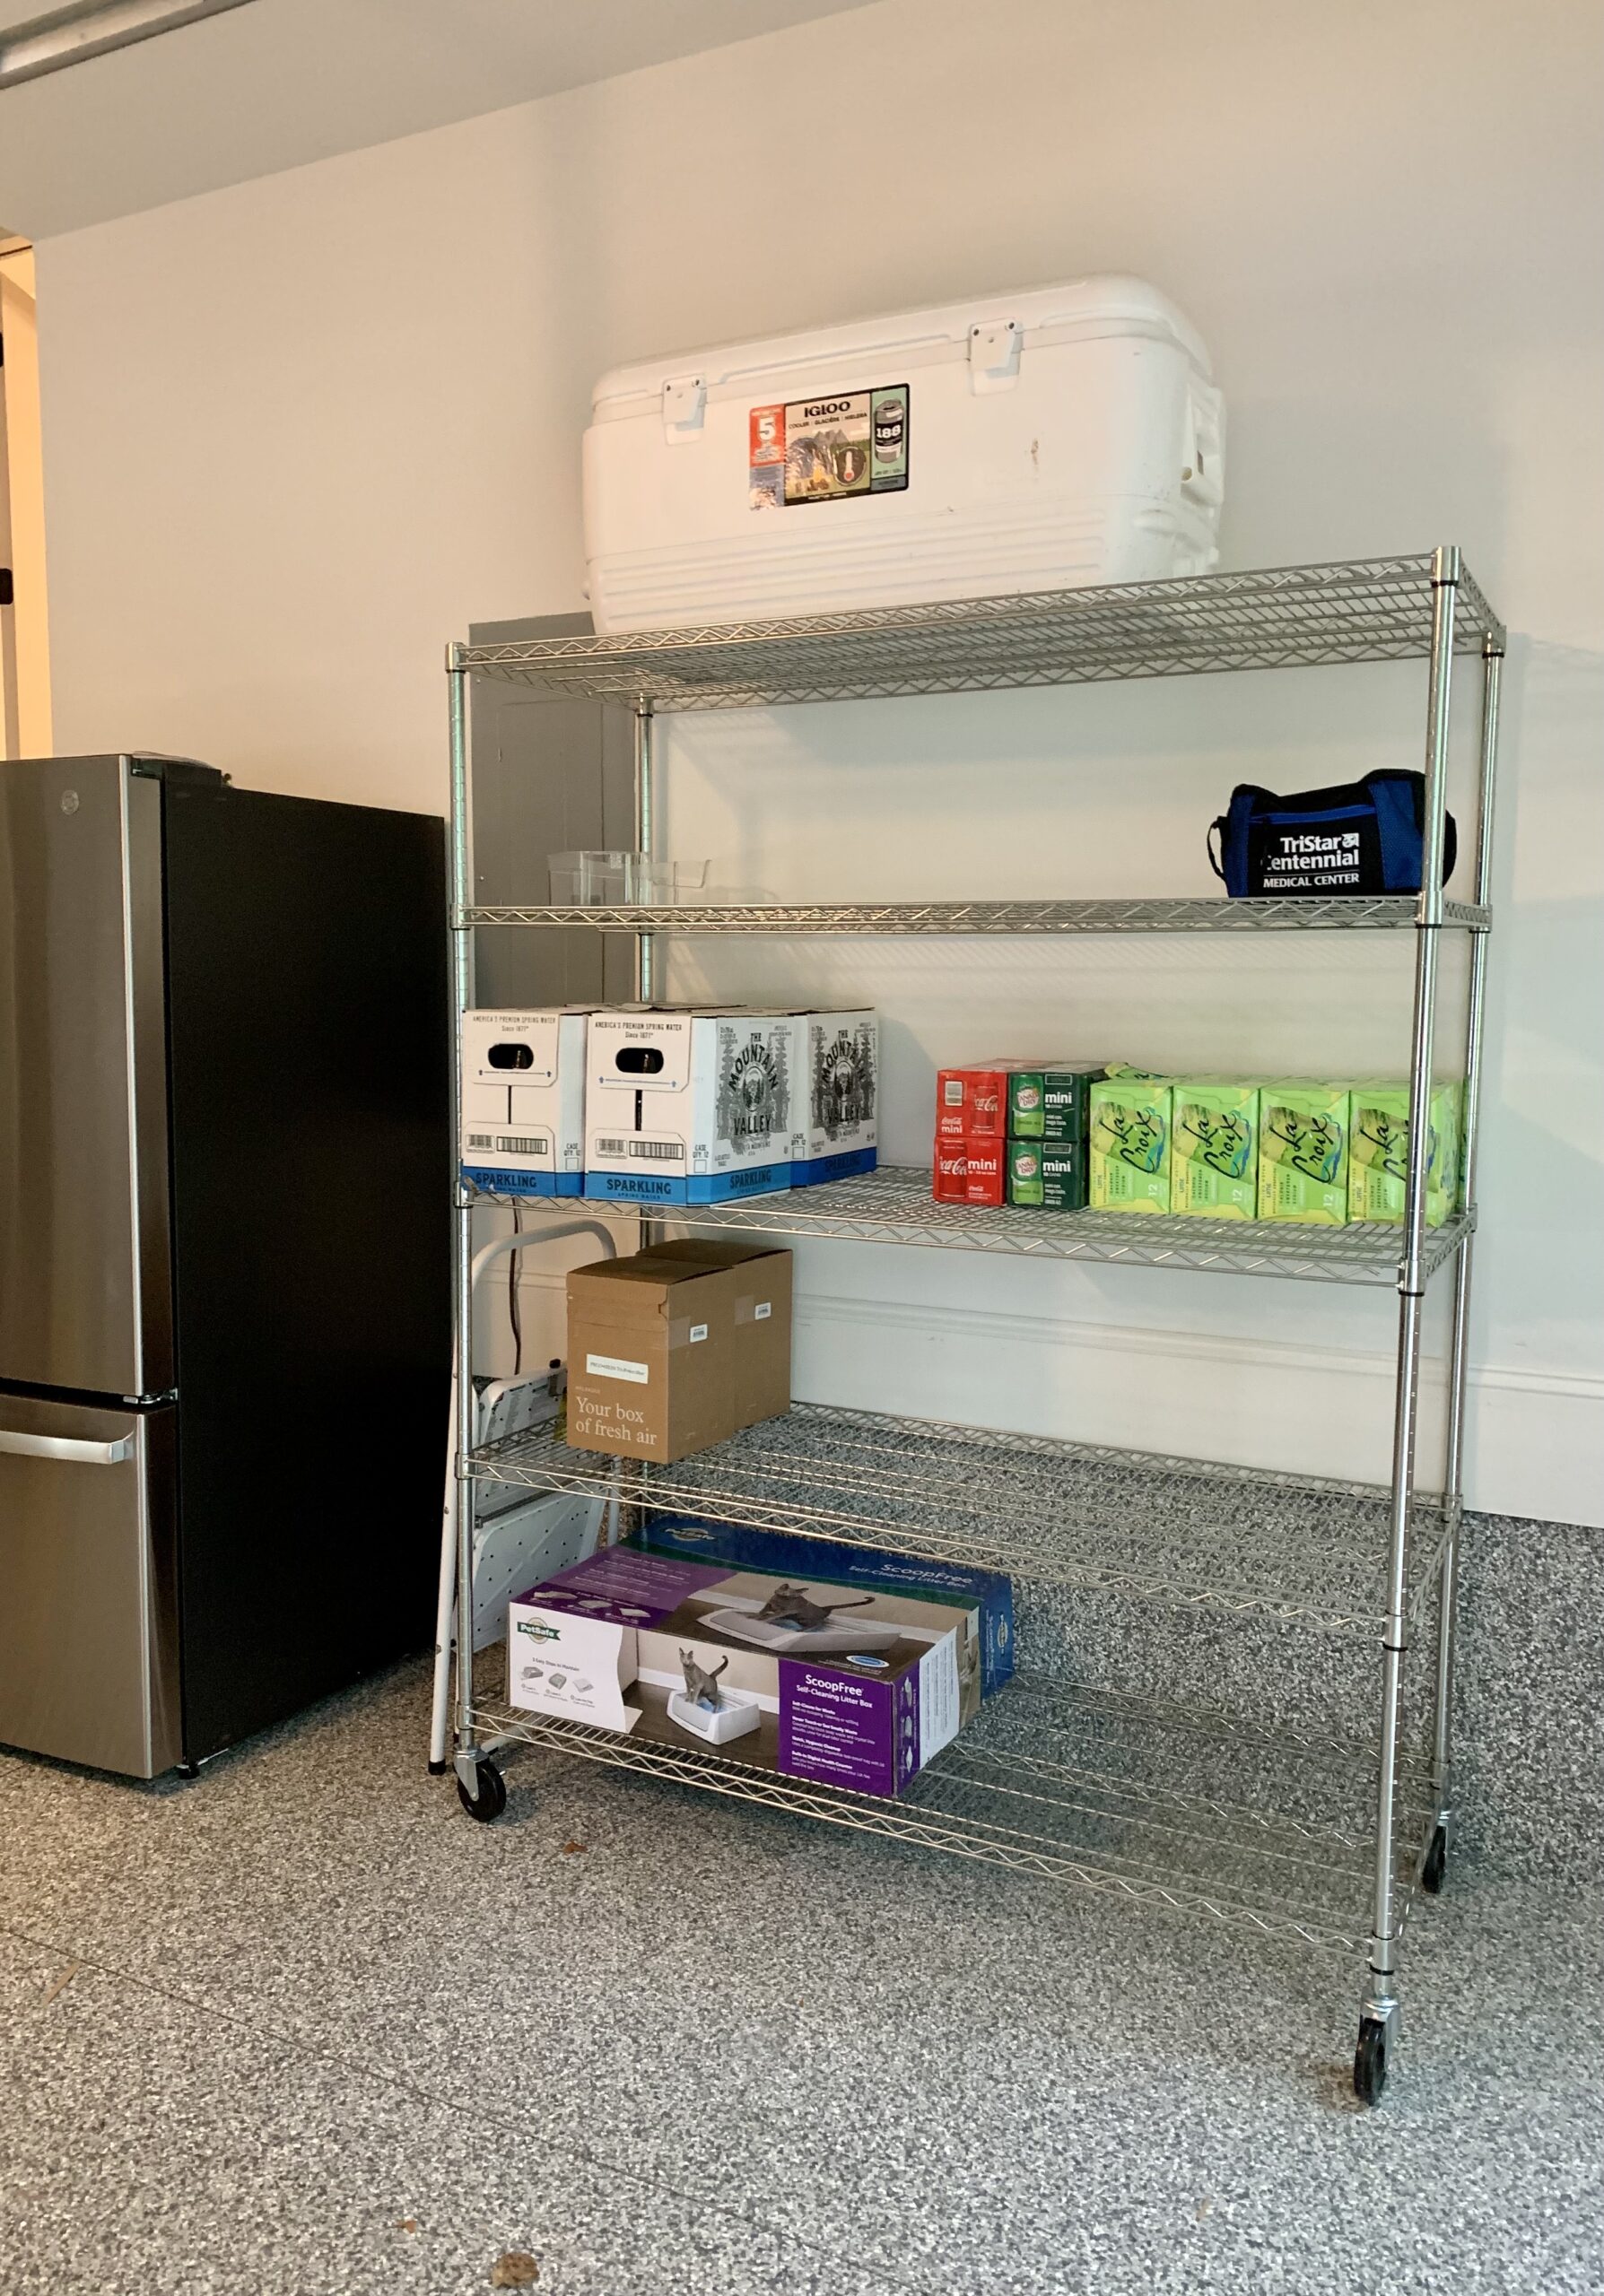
[479, 1140]
[651, 1151]
[521, 1145]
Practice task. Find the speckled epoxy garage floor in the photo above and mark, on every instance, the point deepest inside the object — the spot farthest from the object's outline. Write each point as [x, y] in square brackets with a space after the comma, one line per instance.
[299, 2029]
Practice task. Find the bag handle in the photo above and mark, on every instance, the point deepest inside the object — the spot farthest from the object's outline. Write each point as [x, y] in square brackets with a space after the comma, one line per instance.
[1216, 828]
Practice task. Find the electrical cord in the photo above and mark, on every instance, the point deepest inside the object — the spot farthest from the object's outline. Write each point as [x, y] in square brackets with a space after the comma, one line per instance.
[515, 1312]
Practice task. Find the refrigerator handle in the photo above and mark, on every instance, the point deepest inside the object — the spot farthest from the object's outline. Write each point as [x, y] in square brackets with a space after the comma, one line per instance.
[66, 1447]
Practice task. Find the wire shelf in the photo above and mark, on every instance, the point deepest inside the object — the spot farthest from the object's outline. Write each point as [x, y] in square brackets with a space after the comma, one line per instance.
[1076, 1788]
[1371, 610]
[1353, 912]
[1194, 1535]
[894, 1205]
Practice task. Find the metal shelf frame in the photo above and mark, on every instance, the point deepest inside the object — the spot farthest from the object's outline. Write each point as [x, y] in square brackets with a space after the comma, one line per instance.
[894, 1206]
[1034, 1785]
[1028, 918]
[1191, 1534]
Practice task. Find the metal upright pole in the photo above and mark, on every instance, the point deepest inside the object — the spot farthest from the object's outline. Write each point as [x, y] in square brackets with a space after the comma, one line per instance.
[462, 982]
[1380, 2008]
[647, 986]
[1454, 1479]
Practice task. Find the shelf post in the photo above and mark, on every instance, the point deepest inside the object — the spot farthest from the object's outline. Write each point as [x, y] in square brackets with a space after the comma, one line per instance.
[647, 985]
[1380, 2007]
[462, 997]
[1454, 1478]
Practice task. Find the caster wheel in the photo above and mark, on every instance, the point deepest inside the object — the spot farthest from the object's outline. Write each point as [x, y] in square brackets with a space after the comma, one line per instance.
[1370, 2061]
[491, 1798]
[1434, 1870]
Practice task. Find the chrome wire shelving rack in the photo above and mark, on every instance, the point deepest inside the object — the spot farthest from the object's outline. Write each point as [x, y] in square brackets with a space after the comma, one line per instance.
[1269, 1831]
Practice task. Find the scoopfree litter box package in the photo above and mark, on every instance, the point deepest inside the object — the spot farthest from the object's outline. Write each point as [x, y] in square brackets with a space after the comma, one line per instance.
[1129, 1166]
[795, 1676]
[1214, 1148]
[987, 1596]
[1303, 1153]
[1379, 1153]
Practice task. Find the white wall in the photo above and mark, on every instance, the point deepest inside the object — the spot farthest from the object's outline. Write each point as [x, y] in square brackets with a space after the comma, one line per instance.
[299, 432]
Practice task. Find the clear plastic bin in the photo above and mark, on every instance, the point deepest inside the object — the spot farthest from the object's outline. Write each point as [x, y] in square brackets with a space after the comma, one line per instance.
[598, 879]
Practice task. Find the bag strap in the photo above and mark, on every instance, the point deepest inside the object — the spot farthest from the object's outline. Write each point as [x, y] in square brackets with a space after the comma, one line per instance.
[1216, 828]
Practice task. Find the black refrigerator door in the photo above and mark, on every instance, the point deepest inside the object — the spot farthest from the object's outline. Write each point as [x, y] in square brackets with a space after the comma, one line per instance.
[84, 1298]
[88, 1616]
[307, 1025]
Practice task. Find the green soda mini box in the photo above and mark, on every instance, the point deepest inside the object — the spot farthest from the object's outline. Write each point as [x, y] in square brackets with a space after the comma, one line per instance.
[1049, 1175]
[1050, 1102]
[1129, 1139]
[1303, 1153]
[1214, 1152]
[1378, 1155]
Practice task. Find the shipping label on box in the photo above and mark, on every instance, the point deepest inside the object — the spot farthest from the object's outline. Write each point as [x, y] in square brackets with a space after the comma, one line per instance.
[688, 1107]
[1130, 1143]
[857, 1691]
[1303, 1153]
[523, 1101]
[1215, 1148]
[1379, 1153]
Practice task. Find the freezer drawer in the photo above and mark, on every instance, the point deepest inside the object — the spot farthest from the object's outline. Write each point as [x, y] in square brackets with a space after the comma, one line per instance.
[88, 1614]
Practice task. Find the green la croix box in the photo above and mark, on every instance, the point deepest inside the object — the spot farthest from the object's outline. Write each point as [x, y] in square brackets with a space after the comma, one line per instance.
[1379, 1153]
[1214, 1153]
[1303, 1153]
[1129, 1160]
[1050, 1175]
[1050, 1102]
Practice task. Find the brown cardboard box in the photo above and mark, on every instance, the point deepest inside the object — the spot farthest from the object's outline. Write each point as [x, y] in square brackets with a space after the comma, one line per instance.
[650, 1360]
[761, 1277]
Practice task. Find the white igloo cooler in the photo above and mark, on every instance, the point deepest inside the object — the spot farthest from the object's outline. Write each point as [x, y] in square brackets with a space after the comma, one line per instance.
[1037, 441]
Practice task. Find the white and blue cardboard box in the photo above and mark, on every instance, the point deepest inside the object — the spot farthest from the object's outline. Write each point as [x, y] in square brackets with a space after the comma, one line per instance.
[987, 1596]
[523, 1101]
[688, 1106]
[837, 1062]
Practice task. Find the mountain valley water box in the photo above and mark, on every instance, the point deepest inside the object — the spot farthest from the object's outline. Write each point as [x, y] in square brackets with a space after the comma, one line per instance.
[1129, 1161]
[523, 1101]
[1379, 1153]
[1048, 1175]
[1029, 439]
[688, 1106]
[1214, 1148]
[835, 1112]
[1303, 1153]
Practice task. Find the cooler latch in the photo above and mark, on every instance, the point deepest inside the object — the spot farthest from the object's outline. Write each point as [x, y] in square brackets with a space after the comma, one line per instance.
[684, 403]
[994, 348]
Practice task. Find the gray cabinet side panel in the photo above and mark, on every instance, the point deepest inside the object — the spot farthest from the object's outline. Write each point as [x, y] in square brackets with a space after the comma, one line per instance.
[548, 777]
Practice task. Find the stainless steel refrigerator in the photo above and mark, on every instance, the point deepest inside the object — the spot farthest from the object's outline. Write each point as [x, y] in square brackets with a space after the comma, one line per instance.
[224, 1263]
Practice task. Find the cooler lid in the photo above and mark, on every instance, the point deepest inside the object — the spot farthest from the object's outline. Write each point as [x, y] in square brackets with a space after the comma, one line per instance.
[1106, 304]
